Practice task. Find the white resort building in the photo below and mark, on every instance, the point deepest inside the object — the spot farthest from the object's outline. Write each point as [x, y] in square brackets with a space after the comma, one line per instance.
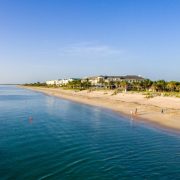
[60, 82]
[99, 80]
[51, 82]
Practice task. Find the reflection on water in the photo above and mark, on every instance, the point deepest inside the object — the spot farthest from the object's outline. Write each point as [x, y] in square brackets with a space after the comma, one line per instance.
[42, 137]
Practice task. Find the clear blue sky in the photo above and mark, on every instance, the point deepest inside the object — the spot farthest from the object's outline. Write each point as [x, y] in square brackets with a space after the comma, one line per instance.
[50, 39]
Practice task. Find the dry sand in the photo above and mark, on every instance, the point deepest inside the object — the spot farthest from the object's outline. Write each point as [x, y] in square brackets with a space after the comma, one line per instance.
[147, 109]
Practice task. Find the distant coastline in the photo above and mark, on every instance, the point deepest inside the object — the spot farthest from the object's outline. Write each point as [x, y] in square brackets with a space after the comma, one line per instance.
[161, 111]
[10, 84]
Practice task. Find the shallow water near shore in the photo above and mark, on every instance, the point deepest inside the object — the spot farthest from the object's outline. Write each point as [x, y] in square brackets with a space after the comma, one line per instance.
[43, 137]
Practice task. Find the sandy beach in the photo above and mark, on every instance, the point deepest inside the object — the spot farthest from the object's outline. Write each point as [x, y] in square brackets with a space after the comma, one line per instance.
[126, 103]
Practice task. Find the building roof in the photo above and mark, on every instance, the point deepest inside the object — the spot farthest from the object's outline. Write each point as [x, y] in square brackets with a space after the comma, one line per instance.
[120, 77]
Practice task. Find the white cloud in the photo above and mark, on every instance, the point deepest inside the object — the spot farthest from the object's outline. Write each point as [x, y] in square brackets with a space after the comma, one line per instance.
[89, 49]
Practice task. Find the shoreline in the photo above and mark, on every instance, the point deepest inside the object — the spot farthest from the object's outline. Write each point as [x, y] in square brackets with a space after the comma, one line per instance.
[148, 110]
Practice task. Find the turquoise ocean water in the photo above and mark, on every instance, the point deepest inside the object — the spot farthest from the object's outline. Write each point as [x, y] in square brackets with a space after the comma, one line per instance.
[46, 138]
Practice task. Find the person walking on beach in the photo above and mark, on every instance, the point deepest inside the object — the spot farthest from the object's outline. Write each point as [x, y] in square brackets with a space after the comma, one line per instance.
[135, 111]
[162, 111]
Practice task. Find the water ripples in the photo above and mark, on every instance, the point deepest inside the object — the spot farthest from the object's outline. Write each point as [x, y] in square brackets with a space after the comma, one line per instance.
[64, 140]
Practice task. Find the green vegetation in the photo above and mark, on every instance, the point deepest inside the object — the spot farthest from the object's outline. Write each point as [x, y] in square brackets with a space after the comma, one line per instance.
[78, 85]
[37, 84]
[147, 87]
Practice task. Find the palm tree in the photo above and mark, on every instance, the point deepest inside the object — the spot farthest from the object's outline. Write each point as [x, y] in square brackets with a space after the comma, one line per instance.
[117, 84]
[154, 86]
[178, 87]
[172, 85]
[111, 84]
[86, 84]
[161, 85]
[146, 84]
[137, 85]
[124, 85]
[101, 82]
[106, 84]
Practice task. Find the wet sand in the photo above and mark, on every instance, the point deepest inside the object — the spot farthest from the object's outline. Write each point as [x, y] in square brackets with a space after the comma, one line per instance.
[126, 103]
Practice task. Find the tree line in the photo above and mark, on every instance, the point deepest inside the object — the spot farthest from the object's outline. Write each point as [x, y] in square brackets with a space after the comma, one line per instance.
[145, 85]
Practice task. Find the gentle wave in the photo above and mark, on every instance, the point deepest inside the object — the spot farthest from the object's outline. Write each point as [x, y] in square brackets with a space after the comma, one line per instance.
[47, 138]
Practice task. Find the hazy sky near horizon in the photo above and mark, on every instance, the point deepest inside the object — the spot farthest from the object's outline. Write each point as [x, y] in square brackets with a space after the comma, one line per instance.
[51, 39]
